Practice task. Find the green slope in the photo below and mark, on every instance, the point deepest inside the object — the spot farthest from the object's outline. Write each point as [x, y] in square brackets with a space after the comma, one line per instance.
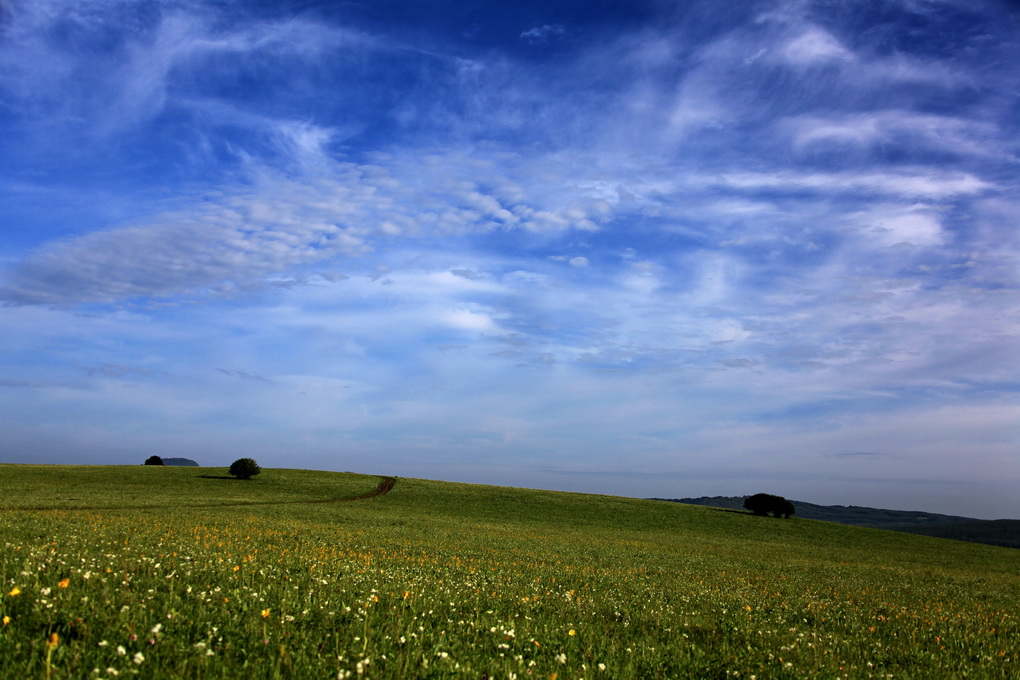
[438, 579]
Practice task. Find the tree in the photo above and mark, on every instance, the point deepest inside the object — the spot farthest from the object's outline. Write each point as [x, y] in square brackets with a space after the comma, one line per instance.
[244, 468]
[764, 503]
[153, 460]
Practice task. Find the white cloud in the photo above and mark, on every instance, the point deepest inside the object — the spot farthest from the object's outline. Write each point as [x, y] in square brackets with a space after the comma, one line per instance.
[920, 182]
[815, 46]
[890, 225]
[962, 136]
[280, 223]
[468, 319]
[544, 33]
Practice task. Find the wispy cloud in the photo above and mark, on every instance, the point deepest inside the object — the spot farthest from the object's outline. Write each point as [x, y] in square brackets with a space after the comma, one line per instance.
[543, 33]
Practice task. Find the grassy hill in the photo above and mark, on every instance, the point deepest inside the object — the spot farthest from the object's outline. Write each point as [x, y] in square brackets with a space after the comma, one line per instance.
[179, 572]
[1001, 532]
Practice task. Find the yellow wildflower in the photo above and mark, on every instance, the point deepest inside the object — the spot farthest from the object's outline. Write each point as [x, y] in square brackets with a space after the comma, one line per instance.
[7, 620]
[53, 641]
[265, 613]
[64, 582]
[15, 591]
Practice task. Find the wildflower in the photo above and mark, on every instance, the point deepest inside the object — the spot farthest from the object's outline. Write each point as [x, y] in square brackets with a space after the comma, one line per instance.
[53, 641]
[572, 632]
[15, 591]
[7, 620]
[103, 643]
[137, 659]
[265, 613]
[120, 650]
[155, 629]
[562, 658]
[64, 582]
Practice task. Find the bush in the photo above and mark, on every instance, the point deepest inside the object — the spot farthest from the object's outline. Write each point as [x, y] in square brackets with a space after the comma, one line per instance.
[153, 460]
[244, 468]
[764, 503]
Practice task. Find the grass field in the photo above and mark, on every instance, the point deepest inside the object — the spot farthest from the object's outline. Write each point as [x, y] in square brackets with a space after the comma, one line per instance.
[182, 572]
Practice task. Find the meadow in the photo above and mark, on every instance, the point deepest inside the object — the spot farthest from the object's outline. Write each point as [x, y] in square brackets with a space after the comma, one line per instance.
[186, 573]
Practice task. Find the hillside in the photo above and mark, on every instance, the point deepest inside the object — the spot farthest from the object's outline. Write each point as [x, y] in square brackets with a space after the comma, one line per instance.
[180, 461]
[181, 572]
[1003, 532]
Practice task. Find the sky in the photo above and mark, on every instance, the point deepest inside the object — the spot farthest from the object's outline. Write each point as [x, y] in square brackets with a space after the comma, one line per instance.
[629, 247]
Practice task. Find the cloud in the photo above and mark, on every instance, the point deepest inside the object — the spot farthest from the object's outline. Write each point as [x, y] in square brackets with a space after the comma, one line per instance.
[277, 224]
[917, 225]
[964, 137]
[543, 34]
[243, 375]
[921, 182]
[815, 46]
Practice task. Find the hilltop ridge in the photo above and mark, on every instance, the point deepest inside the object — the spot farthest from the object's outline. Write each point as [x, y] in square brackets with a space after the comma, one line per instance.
[1000, 532]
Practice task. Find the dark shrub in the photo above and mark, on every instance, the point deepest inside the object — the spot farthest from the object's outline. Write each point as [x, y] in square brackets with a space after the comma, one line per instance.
[244, 468]
[153, 460]
[764, 503]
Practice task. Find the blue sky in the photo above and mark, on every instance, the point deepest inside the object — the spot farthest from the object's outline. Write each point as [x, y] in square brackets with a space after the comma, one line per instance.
[638, 248]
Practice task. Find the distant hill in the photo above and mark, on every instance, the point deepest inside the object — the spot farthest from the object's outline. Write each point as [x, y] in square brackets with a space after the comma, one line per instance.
[1001, 532]
[180, 461]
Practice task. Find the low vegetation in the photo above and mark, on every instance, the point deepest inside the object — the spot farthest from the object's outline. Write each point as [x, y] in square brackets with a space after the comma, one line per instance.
[764, 503]
[177, 579]
[244, 468]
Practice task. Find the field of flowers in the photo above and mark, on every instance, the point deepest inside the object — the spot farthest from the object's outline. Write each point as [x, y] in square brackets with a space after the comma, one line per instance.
[437, 580]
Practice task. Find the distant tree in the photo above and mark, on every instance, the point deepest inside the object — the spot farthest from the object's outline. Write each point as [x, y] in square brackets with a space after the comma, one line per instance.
[153, 460]
[244, 468]
[764, 503]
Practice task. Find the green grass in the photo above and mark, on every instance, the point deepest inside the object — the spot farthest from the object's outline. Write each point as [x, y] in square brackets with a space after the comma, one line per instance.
[164, 574]
[48, 487]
